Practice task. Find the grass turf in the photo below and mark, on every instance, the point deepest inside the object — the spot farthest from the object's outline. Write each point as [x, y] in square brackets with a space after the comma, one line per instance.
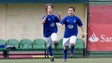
[70, 60]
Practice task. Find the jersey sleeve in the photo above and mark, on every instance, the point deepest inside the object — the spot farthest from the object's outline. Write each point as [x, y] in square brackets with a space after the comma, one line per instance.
[43, 17]
[63, 21]
[57, 19]
[79, 22]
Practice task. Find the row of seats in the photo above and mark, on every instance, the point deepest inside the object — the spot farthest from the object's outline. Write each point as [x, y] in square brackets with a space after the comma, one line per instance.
[24, 43]
[36, 44]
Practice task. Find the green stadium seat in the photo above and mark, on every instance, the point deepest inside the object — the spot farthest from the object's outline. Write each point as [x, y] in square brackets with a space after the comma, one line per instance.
[25, 44]
[39, 44]
[53, 45]
[2, 43]
[61, 43]
[79, 44]
[13, 43]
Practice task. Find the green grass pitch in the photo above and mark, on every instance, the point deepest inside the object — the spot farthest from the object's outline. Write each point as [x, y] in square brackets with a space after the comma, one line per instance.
[70, 60]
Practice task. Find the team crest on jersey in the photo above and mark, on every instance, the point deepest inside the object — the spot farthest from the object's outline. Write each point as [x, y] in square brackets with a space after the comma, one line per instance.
[52, 24]
[49, 19]
[67, 20]
[74, 21]
[70, 26]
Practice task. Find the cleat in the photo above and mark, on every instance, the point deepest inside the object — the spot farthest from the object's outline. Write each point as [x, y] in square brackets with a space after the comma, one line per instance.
[64, 59]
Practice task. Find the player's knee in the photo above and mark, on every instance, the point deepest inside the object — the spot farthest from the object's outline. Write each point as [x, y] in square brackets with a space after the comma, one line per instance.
[72, 44]
[49, 46]
[65, 47]
[56, 41]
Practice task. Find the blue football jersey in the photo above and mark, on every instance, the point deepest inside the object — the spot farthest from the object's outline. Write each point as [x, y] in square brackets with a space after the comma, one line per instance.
[71, 25]
[50, 26]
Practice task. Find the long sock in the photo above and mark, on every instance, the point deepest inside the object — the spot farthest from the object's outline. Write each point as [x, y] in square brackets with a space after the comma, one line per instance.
[72, 49]
[50, 51]
[65, 53]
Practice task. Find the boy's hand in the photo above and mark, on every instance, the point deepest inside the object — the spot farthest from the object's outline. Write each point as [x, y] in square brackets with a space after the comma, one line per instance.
[60, 24]
[83, 35]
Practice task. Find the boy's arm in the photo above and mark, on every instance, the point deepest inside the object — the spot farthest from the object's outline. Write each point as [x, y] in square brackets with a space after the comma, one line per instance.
[83, 34]
[44, 19]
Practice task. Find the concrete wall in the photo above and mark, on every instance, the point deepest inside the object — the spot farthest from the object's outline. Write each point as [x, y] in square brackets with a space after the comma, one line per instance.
[24, 20]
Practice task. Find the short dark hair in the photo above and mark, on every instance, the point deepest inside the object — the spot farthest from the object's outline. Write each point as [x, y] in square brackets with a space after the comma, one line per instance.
[72, 8]
[49, 5]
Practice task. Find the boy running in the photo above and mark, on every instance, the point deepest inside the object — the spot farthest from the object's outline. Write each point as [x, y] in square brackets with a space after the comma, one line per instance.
[50, 29]
[71, 23]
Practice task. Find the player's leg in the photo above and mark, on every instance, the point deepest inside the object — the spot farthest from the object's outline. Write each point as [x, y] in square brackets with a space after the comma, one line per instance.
[55, 40]
[72, 43]
[49, 48]
[65, 44]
